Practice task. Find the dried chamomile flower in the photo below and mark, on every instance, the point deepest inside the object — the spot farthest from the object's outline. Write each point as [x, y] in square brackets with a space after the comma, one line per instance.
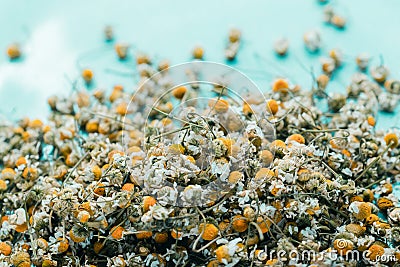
[161, 238]
[343, 246]
[87, 75]
[277, 147]
[338, 21]
[234, 35]
[336, 102]
[384, 203]
[222, 254]
[108, 33]
[14, 51]
[356, 229]
[233, 44]
[78, 234]
[337, 56]
[328, 65]
[388, 102]
[379, 73]
[312, 40]
[280, 85]
[21, 258]
[239, 223]
[143, 59]
[8, 174]
[322, 81]
[235, 177]
[5, 248]
[179, 92]
[198, 52]
[296, 138]
[117, 232]
[163, 65]
[176, 234]
[393, 86]
[375, 251]
[281, 46]
[362, 61]
[333, 18]
[272, 106]
[3, 185]
[360, 210]
[121, 49]
[391, 140]
[209, 231]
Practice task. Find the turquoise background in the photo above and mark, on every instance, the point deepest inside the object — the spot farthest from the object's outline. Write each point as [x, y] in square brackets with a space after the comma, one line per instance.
[54, 34]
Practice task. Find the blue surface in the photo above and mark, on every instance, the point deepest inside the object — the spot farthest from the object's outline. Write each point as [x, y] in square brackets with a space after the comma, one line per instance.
[54, 34]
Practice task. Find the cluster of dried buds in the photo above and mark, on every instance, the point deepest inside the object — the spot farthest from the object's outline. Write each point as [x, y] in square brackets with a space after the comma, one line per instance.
[158, 177]
[155, 177]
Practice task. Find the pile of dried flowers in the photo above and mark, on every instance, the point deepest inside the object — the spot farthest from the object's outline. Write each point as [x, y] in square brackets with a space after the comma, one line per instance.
[159, 177]
[98, 183]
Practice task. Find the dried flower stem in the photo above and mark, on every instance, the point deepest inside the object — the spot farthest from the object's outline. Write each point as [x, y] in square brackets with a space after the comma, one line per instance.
[201, 234]
[376, 182]
[171, 132]
[378, 158]
[74, 168]
[111, 118]
[320, 131]
[260, 233]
